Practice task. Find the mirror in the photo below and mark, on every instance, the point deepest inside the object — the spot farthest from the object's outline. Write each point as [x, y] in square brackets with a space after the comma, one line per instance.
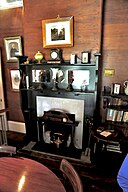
[79, 79]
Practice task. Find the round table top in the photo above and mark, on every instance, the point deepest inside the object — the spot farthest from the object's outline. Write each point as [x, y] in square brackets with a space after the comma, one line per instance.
[26, 175]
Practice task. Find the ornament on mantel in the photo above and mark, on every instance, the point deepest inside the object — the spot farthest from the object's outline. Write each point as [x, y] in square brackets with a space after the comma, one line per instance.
[38, 56]
[126, 87]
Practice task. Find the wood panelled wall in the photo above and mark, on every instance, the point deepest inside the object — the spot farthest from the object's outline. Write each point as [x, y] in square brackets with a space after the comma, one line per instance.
[87, 36]
[87, 15]
[27, 23]
[10, 25]
[115, 41]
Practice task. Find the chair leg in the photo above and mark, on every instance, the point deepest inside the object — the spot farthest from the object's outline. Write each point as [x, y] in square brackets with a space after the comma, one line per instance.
[3, 131]
[1, 138]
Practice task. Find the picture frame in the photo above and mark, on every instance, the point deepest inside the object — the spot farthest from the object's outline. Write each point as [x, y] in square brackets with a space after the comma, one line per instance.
[85, 57]
[15, 79]
[57, 32]
[116, 88]
[13, 48]
[109, 72]
[11, 4]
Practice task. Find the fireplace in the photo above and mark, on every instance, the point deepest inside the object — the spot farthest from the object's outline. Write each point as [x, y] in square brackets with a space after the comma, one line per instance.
[76, 96]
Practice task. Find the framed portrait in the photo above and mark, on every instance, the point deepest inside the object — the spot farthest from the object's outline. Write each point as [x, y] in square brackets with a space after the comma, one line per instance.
[57, 32]
[11, 4]
[13, 48]
[15, 79]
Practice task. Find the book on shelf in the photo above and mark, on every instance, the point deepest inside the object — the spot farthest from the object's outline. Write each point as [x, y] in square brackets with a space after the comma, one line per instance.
[125, 116]
[119, 116]
[111, 114]
[114, 148]
[115, 101]
[114, 115]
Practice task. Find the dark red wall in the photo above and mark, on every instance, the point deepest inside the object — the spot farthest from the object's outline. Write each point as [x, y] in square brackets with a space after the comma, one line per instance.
[87, 36]
[27, 22]
[115, 40]
[11, 24]
[86, 24]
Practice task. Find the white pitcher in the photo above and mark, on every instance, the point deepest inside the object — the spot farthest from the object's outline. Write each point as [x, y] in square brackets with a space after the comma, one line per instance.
[126, 87]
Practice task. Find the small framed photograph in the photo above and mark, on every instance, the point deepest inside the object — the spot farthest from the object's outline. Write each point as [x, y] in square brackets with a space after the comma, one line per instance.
[116, 88]
[13, 48]
[15, 79]
[85, 57]
[57, 32]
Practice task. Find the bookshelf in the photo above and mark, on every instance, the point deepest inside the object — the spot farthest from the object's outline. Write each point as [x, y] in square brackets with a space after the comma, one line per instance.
[111, 136]
[116, 107]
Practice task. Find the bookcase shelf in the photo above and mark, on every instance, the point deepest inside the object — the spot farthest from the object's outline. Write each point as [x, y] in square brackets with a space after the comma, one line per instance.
[116, 107]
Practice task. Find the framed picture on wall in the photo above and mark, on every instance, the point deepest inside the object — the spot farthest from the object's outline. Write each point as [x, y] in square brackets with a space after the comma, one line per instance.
[57, 32]
[15, 79]
[13, 48]
[10, 4]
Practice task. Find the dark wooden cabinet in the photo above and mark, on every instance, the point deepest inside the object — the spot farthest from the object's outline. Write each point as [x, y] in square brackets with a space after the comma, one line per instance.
[78, 81]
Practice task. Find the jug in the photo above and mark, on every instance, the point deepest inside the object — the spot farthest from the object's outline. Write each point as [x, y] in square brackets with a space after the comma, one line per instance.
[126, 87]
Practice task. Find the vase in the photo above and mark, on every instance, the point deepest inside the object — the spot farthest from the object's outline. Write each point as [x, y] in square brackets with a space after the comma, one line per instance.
[54, 78]
[38, 56]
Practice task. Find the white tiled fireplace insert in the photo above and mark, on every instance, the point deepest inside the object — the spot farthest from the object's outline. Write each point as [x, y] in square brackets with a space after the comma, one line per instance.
[73, 106]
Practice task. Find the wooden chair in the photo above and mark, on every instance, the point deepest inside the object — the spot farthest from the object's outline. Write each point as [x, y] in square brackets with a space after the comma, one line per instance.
[73, 177]
[6, 150]
[3, 123]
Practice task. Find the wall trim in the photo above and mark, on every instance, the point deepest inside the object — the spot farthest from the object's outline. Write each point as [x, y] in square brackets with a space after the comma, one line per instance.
[16, 126]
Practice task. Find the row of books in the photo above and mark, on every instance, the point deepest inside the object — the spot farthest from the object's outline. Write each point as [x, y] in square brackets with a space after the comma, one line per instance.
[117, 102]
[118, 116]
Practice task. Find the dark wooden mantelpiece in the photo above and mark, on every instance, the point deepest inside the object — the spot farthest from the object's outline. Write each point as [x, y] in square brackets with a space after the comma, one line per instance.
[30, 90]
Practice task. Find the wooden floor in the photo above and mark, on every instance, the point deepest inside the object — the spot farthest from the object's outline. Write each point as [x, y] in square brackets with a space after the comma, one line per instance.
[100, 177]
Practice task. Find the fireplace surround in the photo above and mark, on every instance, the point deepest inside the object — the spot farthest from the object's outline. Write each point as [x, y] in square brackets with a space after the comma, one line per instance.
[37, 98]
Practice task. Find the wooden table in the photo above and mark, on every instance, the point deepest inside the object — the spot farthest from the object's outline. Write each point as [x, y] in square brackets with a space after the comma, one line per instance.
[26, 175]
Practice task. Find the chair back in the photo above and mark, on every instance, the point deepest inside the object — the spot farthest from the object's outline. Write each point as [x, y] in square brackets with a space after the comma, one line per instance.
[69, 171]
[6, 149]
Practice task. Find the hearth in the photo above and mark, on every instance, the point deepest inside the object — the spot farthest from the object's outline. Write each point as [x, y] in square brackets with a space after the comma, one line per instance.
[71, 151]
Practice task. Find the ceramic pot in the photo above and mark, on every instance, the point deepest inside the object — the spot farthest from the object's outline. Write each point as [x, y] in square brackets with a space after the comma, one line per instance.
[126, 87]
[38, 56]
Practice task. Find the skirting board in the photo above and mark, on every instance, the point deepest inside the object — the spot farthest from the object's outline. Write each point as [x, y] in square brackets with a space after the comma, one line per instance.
[16, 126]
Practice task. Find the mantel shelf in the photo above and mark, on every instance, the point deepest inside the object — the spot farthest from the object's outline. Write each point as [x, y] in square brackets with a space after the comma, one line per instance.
[59, 91]
[58, 65]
